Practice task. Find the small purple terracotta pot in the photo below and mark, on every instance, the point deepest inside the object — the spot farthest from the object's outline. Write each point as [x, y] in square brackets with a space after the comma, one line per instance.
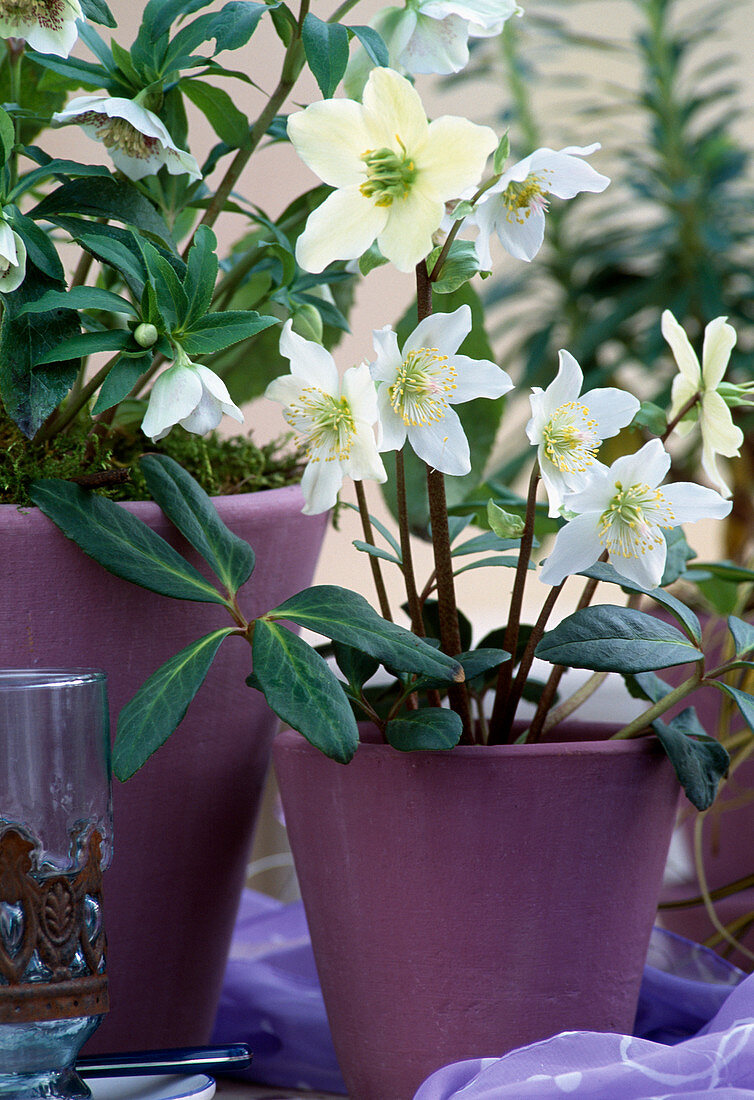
[468, 902]
[184, 823]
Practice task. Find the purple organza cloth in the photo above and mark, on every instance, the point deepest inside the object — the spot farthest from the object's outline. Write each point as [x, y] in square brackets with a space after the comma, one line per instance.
[694, 1031]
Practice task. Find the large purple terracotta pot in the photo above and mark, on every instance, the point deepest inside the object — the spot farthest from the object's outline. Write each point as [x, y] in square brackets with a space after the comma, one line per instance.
[184, 823]
[464, 903]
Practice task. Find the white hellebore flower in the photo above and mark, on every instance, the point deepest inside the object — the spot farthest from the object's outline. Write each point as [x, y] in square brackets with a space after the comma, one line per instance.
[135, 138]
[621, 510]
[12, 259]
[515, 206]
[720, 436]
[431, 36]
[48, 26]
[419, 383]
[567, 427]
[393, 172]
[332, 418]
[188, 394]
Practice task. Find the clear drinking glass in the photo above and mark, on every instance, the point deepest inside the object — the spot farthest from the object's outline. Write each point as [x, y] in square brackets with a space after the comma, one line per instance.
[55, 841]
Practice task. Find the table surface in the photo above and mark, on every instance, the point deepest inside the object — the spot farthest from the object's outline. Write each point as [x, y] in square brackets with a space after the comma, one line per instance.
[242, 1091]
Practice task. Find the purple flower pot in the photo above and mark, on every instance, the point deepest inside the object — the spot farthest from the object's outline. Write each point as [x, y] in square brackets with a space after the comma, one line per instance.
[184, 823]
[465, 903]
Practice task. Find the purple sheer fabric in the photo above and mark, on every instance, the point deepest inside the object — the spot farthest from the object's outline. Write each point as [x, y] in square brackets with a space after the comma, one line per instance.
[694, 1030]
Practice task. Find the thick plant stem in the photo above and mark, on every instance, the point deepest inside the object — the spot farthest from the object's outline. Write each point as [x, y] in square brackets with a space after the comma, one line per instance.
[366, 526]
[634, 728]
[293, 63]
[450, 638]
[503, 713]
[404, 535]
[527, 657]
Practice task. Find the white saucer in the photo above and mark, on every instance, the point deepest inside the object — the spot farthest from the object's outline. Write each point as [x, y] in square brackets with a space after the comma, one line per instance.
[163, 1087]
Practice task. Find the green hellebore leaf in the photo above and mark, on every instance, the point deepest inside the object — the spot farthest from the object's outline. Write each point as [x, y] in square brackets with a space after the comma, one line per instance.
[502, 153]
[616, 639]
[160, 704]
[603, 571]
[326, 48]
[302, 690]
[743, 635]
[191, 510]
[427, 729]
[120, 542]
[7, 136]
[460, 265]
[347, 617]
[505, 524]
[120, 381]
[700, 762]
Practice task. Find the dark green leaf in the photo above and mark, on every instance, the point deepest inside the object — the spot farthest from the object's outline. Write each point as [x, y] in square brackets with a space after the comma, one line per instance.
[160, 704]
[652, 417]
[299, 686]
[7, 136]
[679, 552]
[86, 343]
[646, 685]
[98, 12]
[121, 543]
[356, 666]
[373, 44]
[326, 46]
[100, 197]
[216, 331]
[347, 617]
[159, 16]
[460, 265]
[603, 571]
[743, 635]
[230, 124]
[616, 639]
[191, 510]
[120, 381]
[743, 700]
[481, 660]
[80, 297]
[172, 300]
[40, 249]
[29, 392]
[376, 551]
[112, 245]
[699, 761]
[60, 168]
[201, 273]
[426, 729]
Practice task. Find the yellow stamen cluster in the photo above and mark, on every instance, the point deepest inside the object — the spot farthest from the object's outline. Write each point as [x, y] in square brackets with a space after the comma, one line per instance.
[570, 440]
[118, 133]
[389, 174]
[520, 198]
[419, 394]
[631, 523]
[324, 425]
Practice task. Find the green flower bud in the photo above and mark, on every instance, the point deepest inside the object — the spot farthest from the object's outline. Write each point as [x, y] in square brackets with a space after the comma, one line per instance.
[307, 322]
[145, 335]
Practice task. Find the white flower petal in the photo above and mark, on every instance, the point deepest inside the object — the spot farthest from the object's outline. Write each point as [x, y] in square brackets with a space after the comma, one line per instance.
[16, 272]
[364, 462]
[478, 378]
[554, 482]
[446, 331]
[454, 155]
[612, 408]
[388, 354]
[330, 137]
[437, 46]
[361, 393]
[312, 364]
[645, 568]
[719, 341]
[393, 434]
[392, 107]
[718, 430]
[566, 385]
[442, 445]
[215, 386]
[57, 36]
[522, 236]
[175, 393]
[567, 174]
[205, 417]
[683, 353]
[342, 228]
[577, 546]
[649, 465]
[407, 236]
[320, 484]
[8, 243]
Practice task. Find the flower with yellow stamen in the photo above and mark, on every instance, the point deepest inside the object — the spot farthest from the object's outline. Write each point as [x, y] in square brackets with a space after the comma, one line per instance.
[568, 427]
[418, 385]
[48, 26]
[624, 511]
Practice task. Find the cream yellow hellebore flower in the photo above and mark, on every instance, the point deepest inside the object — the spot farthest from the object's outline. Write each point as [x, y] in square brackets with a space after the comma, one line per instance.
[720, 436]
[392, 169]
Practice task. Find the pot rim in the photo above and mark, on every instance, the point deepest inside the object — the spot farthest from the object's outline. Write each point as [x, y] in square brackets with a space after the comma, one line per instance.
[288, 739]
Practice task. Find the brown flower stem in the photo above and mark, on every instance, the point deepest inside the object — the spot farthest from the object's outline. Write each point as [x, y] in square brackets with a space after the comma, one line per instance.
[502, 713]
[293, 63]
[527, 659]
[374, 563]
[672, 424]
[409, 577]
